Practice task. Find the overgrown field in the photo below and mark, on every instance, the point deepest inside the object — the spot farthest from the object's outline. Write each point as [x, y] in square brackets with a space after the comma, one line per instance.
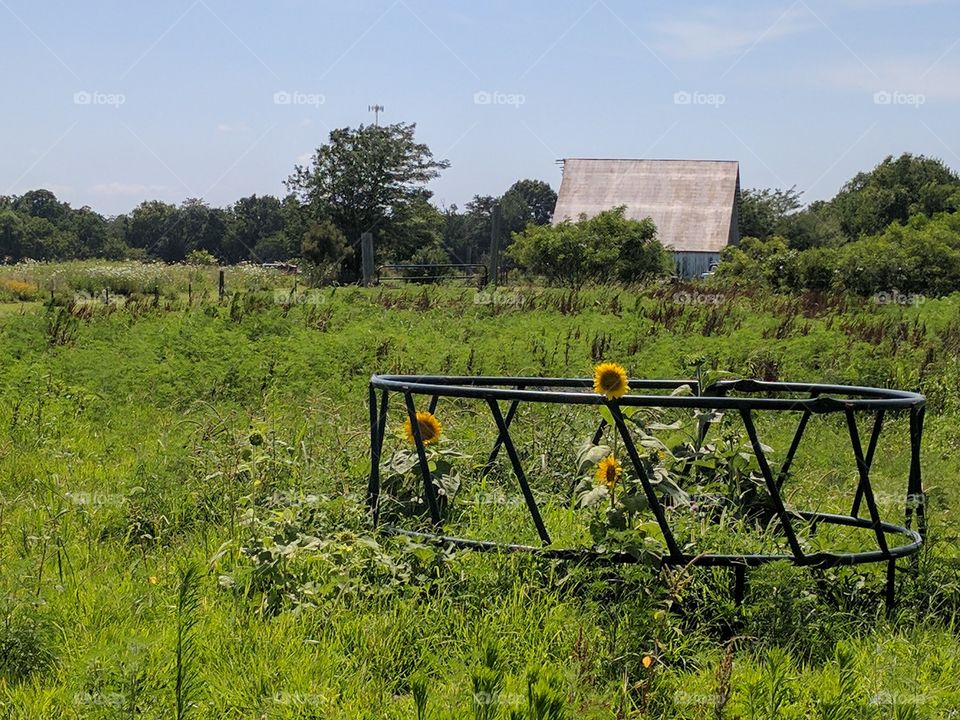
[183, 534]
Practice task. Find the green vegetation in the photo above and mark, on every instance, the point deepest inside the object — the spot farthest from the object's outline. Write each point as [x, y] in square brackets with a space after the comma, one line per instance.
[607, 246]
[182, 532]
[893, 230]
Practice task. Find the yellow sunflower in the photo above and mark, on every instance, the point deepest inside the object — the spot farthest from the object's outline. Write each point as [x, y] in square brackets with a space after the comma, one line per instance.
[610, 379]
[609, 472]
[430, 428]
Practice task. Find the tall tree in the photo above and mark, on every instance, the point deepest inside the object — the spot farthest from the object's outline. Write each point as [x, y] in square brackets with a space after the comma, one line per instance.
[365, 179]
[893, 191]
[254, 222]
[538, 197]
[11, 236]
[763, 211]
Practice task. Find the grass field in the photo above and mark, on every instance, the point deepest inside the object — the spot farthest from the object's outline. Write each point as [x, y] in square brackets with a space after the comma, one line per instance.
[182, 528]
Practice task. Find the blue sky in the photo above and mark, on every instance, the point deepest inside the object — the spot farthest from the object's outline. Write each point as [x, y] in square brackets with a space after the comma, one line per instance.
[111, 103]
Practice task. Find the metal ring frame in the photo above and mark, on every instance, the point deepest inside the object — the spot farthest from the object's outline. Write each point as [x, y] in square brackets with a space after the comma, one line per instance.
[808, 398]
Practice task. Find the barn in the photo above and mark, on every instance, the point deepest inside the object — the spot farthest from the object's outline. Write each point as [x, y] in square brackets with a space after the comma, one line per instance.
[694, 203]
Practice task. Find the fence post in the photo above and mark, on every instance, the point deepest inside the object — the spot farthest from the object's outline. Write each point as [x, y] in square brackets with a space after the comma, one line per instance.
[220, 286]
[366, 247]
[493, 275]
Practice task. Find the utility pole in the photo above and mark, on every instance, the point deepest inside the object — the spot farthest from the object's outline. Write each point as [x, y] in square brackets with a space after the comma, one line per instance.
[376, 110]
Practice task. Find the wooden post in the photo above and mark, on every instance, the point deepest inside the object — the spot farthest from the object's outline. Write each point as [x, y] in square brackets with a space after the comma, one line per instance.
[366, 247]
[494, 259]
[156, 295]
[190, 293]
[220, 286]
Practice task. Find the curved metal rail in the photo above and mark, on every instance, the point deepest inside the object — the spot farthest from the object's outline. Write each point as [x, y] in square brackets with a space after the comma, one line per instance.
[745, 397]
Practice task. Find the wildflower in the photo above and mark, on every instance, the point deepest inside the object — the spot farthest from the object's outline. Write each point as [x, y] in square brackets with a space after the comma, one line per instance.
[647, 661]
[152, 579]
[610, 379]
[430, 428]
[609, 472]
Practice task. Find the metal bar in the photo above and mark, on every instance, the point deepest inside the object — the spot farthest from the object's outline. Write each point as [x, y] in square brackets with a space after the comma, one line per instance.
[739, 583]
[891, 589]
[485, 387]
[518, 471]
[648, 490]
[373, 486]
[376, 449]
[433, 404]
[429, 490]
[488, 466]
[788, 461]
[772, 487]
[871, 448]
[864, 472]
[598, 435]
[915, 493]
[819, 560]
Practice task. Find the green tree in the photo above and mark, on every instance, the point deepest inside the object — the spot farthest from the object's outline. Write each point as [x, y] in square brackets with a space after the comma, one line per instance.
[538, 198]
[893, 191]
[364, 180]
[324, 244]
[762, 212]
[606, 247]
[151, 229]
[11, 236]
[251, 221]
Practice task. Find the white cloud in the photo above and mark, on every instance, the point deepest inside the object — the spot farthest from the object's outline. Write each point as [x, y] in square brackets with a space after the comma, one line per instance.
[224, 128]
[720, 34]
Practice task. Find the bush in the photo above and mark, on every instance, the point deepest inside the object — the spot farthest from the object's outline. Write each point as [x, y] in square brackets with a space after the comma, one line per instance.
[603, 248]
[200, 257]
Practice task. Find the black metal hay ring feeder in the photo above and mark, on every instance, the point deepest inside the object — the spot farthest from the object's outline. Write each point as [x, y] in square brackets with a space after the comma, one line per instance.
[753, 396]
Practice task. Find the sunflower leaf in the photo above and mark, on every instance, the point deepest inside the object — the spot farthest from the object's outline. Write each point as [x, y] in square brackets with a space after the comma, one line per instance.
[590, 455]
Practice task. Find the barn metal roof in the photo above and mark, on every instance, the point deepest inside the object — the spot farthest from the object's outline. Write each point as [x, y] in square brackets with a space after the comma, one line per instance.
[692, 202]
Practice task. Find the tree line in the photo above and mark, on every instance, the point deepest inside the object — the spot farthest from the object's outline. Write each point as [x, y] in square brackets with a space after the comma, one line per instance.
[894, 228]
[366, 179]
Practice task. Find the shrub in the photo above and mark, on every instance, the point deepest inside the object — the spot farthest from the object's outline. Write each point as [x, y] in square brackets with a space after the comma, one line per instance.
[605, 247]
